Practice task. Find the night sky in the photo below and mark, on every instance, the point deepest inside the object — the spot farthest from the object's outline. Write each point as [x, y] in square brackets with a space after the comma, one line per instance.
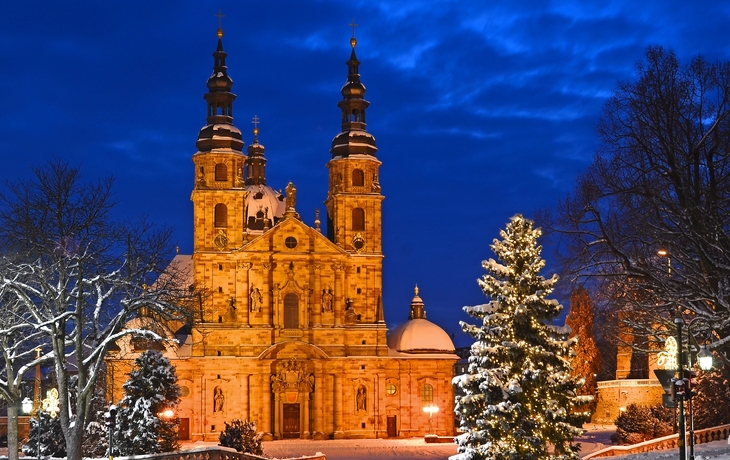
[481, 109]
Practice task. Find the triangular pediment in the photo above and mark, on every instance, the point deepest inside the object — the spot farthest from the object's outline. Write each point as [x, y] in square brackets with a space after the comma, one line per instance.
[293, 236]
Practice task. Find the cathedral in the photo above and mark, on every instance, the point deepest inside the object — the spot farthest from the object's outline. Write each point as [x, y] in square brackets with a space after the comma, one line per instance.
[290, 330]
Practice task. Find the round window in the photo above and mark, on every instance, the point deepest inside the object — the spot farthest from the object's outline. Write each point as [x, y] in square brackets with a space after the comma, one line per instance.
[290, 242]
[390, 389]
[184, 391]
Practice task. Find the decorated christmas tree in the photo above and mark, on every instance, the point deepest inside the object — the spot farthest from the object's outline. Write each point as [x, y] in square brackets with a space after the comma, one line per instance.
[146, 420]
[518, 399]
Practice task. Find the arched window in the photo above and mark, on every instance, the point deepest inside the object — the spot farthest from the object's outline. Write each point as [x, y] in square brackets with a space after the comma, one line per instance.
[358, 178]
[221, 172]
[291, 311]
[358, 219]
[426, 393]
[221, 215]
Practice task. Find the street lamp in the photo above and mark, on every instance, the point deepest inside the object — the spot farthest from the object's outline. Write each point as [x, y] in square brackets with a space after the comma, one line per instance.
[430, 409]
[665, 253]
[681, 385]
[111, 421]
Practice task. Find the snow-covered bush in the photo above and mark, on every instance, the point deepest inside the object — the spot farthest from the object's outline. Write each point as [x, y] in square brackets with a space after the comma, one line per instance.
[242, 436]
[639, 423]
[53, 443]
[712, 403]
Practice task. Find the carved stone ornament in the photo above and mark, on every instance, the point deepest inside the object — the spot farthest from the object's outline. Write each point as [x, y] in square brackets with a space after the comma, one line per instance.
[292, 377]
[221, 240]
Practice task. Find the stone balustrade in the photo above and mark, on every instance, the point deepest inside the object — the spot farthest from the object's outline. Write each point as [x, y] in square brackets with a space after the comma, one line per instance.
[211, 453]
[717, 433]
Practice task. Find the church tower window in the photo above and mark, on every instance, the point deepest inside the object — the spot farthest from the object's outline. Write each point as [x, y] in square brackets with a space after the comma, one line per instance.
[291, 311]
[221, 172]
[221, 215]
[358, 219]
[358, 178]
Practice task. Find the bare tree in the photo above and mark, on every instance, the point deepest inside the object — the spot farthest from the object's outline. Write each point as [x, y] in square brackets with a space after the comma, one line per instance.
[79, 276]
[17, 344]
[659, 182]
[586, 363]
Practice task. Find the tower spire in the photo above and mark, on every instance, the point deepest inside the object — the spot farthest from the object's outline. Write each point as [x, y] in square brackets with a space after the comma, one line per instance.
[354, 138]
[220, 133]
[255, 163]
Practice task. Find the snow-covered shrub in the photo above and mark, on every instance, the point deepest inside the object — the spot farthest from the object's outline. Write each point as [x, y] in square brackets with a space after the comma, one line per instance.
[639, 423]
[242, 436]
[52, 442]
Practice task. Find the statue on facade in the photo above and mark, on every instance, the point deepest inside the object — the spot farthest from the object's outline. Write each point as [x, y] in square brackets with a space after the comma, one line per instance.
[291, 196]
[218, 399]
[327, 299]
[362, 398]
[256, 299]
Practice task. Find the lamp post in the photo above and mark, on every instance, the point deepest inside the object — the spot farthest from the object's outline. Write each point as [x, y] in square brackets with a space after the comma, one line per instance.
[681, 385]
[111, 421]
[704, 359]
[430, 409]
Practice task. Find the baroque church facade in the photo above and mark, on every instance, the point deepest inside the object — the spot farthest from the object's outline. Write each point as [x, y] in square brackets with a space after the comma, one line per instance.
[290, 331]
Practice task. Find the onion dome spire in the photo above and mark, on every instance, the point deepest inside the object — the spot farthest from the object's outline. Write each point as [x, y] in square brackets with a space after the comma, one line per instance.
[220, 133]
[417, 311]
[255, 163]
[354, 138]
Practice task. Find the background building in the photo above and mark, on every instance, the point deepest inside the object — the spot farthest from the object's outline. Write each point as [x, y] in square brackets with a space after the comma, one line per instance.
[289, 331]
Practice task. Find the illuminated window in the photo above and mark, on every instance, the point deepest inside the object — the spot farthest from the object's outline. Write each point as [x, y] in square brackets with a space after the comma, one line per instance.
[221, 215]
[221, 172]
[426, 393]
[291, 311]
[390, 389]
[358, 219]
[358, 178]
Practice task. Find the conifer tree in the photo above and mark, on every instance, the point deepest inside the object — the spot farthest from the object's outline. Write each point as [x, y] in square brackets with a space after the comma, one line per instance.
[142, 424]
[587, 360]
[518, 396]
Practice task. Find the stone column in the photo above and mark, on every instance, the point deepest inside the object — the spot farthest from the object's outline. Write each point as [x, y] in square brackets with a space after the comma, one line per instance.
[265, 389]
[337, 408]
[316, 309]
[245, 408]
[244, 294]
[318, 408]
[305, 416]
[266, 291]
[278, 416]
[338, 301]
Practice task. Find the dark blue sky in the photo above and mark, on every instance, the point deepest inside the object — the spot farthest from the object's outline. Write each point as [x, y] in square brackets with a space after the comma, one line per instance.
[481, 109]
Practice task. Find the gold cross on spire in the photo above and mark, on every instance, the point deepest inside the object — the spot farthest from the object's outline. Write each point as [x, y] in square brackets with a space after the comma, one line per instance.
[220, 16]
[353, 40]
[255, 120]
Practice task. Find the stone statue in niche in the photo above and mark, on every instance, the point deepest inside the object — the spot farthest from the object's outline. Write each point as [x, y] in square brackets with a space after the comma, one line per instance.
[327, 299]
[256, 299]
[362, 398]
[218, 399]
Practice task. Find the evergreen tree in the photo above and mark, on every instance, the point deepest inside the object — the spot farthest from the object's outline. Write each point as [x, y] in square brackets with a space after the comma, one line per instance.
[242, 436]
[151, 391]
[586, 363]
[519, 398]
[711, 406]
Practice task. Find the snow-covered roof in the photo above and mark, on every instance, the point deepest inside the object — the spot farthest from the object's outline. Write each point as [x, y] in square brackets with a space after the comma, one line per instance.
[420, 336]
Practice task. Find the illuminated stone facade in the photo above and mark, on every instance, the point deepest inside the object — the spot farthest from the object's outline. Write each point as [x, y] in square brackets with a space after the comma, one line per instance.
[290, 331]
